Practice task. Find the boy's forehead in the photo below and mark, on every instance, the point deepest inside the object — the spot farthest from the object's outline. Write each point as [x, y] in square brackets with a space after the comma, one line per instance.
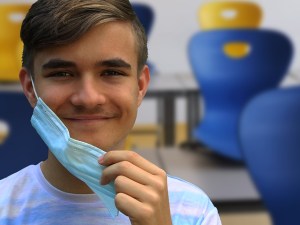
[118, 35]
[111, 46]
[115, 30]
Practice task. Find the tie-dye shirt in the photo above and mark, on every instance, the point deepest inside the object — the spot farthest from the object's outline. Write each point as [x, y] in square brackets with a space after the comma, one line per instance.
[27, 198]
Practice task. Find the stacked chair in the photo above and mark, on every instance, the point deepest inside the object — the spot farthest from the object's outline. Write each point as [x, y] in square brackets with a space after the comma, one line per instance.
[20, 145]
[146, 15]
[233, 60]
[11, 16]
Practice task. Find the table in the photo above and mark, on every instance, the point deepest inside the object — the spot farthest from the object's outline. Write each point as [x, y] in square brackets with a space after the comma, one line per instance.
[223, 182]
[11, 87]
[166, 88]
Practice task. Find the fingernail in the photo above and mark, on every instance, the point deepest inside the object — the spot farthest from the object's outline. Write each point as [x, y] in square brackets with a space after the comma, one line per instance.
[101, 159]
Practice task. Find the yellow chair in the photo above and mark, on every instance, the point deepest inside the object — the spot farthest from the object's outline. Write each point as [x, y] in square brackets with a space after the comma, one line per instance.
[229, 14]
[11, 16]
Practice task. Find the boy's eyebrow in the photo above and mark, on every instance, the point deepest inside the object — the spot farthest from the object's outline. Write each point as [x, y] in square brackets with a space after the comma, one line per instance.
[114, 63]
[58, 63]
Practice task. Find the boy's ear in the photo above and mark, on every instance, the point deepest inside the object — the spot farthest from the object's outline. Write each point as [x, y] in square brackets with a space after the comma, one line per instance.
[26, 83]
[143, 82]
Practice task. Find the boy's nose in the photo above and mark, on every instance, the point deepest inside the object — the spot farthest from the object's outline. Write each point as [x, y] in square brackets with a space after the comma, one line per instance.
[88, 94]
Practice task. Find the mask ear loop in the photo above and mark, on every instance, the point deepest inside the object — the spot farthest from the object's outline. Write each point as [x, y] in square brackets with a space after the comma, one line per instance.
[34, 90]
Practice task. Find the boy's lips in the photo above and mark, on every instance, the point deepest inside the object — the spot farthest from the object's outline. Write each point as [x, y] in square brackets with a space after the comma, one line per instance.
[89, 118]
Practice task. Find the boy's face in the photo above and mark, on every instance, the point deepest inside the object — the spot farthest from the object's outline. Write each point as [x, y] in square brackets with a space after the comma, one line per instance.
[92, 84]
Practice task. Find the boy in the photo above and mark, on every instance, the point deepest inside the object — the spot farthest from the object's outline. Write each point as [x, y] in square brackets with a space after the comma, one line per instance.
[86, 61]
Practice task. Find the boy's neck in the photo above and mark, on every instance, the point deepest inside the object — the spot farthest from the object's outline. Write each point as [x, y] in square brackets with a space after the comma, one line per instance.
[58, 176]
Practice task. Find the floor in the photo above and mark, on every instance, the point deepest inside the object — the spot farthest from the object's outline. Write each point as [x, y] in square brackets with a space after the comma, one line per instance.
[227, 183]
[245, 218]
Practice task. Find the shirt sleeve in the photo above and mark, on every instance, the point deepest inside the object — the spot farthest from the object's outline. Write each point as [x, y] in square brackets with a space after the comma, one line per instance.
[212, 218]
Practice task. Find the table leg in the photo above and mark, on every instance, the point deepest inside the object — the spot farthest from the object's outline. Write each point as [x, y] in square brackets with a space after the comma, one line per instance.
[193, 113]
[166, 118]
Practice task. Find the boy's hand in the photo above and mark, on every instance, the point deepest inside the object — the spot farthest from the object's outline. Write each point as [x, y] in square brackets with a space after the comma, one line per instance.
[141, 187]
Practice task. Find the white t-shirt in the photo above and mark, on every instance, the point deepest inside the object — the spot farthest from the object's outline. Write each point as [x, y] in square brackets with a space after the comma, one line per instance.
[26, 197]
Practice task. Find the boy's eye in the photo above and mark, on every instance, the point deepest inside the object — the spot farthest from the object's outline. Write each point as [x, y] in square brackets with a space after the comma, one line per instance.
[112, 73]
[61, 74]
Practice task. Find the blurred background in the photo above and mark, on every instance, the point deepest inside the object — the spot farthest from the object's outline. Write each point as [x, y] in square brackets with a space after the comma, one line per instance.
[222, 110]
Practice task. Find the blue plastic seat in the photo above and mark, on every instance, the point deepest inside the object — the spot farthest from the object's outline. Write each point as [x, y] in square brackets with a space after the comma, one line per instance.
[23, 146]
[146, 15]
[229, 81]
[270, 140]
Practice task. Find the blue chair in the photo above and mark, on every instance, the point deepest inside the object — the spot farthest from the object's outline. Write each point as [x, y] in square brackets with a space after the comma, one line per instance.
[22, 146]
[270, 140]
[146, 15]
[231, 67]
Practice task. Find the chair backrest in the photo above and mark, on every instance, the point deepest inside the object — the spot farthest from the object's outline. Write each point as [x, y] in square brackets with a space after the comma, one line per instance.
[229, 14]
[232, 66]
[11, 16]
[270, 140]
[20, 145]
[145, 14]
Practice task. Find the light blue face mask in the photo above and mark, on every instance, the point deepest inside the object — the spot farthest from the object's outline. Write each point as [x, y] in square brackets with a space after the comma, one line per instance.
[79, 158]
